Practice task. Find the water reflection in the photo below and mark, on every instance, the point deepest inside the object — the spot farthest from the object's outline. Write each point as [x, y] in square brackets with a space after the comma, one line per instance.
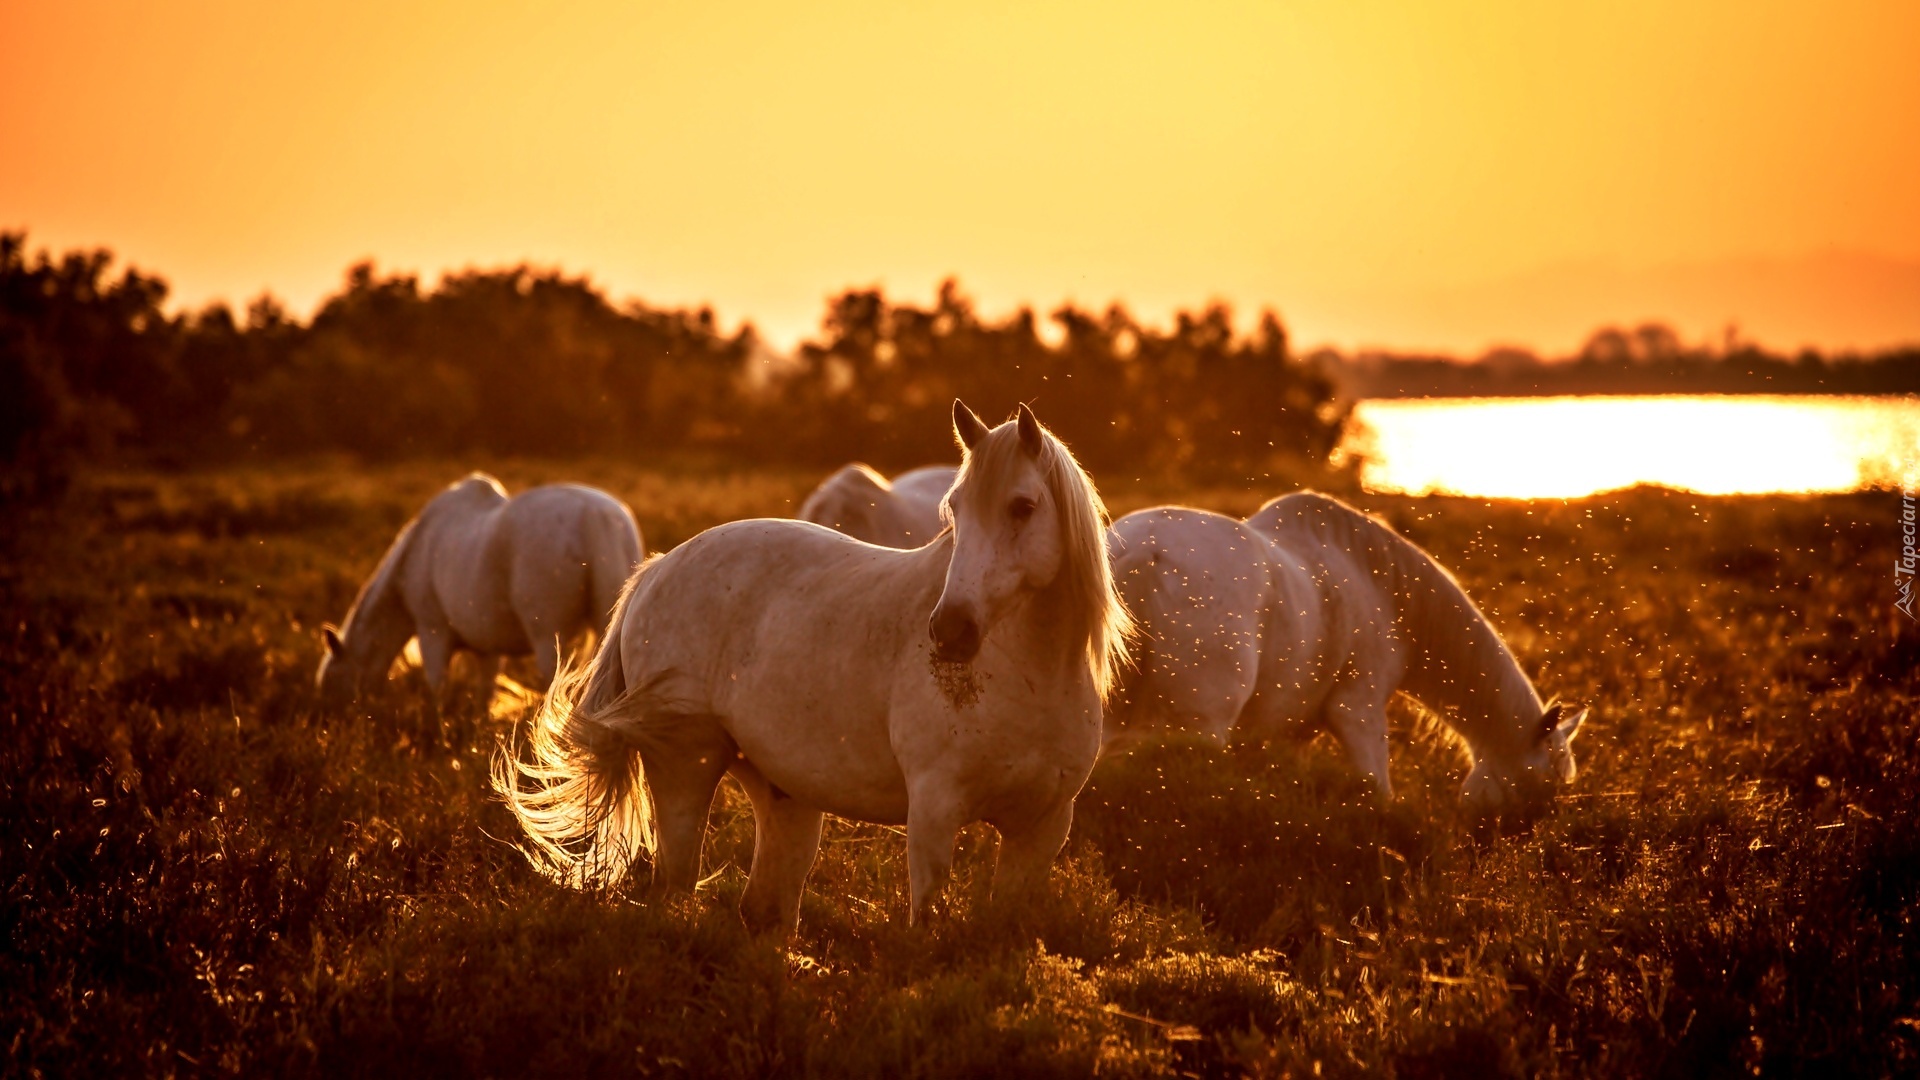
[1573, 446]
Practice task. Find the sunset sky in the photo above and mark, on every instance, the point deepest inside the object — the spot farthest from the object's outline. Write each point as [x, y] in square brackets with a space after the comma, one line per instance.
[1410, 175]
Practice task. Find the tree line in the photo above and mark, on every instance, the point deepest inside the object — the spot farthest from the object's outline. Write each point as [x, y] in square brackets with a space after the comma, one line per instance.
[533, 362]
[525, 361]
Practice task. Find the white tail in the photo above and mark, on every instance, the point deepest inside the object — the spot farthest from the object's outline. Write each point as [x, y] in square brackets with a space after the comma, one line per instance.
[579, 793]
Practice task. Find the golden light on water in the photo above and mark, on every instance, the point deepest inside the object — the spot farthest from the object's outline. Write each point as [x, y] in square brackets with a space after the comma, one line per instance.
[1565, 447]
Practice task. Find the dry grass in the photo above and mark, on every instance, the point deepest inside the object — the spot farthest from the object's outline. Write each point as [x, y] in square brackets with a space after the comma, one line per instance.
[200, 874]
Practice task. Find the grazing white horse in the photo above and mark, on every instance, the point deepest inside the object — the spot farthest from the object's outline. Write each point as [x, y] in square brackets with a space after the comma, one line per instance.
[902, 513]
[497, 576]
[1310, 614]
[956, 682]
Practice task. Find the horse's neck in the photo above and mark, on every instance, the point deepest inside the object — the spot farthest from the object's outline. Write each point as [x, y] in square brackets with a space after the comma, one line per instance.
[1049, 631]
[1457, 664]
[379, 624]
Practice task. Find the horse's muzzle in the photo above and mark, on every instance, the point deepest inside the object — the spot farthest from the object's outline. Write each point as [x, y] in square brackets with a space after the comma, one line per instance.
[956, 635]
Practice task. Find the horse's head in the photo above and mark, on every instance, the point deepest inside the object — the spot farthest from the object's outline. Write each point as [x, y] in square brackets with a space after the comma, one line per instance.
[338, 680]
[1523, 787]
[1025, 518]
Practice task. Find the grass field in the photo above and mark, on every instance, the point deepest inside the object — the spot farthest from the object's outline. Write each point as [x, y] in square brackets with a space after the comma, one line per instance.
[199, 874]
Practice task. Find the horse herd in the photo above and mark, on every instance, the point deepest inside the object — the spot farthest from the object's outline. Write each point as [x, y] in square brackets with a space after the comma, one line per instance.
[956, 645]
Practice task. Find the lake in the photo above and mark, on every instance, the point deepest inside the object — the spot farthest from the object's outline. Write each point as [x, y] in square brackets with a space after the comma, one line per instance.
[1566, 447]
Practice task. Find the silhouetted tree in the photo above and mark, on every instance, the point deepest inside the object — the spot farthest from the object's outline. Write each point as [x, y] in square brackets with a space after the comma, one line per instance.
[1197, 399]
[82, 355]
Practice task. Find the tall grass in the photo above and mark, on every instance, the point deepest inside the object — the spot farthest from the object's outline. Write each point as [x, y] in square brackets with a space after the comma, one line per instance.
[200, 873]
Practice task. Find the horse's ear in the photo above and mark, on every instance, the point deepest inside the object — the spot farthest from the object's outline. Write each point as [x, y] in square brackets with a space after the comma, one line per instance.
[967, 427]
[332, 637]
[1569, 726]
[1029, 431]
[1561, 718]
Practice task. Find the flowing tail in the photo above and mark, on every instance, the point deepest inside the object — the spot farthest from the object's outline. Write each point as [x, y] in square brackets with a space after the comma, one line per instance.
[578, 792]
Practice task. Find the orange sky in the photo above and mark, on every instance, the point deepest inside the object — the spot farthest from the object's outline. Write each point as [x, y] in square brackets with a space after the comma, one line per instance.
[1410, 175]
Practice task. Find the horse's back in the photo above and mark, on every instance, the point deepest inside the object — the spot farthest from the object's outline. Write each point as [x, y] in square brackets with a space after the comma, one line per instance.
[794, 638]
[502, 570]
[917, 494]
[1305, 514]
[451, 549]
[745, 587]
[566, 550]
[1328, 549]
[1338, 562]
[566, 501]
[926, 485]
[579, 517]
[845, 500]
[769, 567]
[901, 513]
[1221, 559]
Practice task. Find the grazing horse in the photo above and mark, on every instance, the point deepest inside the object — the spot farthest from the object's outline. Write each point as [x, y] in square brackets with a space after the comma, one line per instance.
[497, 576]
[956, 682]
[903, 513]
[1310, 614]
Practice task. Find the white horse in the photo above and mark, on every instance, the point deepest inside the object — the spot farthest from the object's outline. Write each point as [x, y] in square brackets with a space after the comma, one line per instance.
[956, 682]
[497, 576]
[903, 513]
[1310, 614]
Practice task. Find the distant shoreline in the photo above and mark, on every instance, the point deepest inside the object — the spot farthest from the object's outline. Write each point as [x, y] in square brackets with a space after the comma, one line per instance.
[1616, 365]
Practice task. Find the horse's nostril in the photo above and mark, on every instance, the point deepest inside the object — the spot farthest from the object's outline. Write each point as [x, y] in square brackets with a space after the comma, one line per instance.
[956, 636]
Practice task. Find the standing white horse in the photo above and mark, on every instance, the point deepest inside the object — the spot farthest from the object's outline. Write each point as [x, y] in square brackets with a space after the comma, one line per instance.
[1310, 614]
[956, 682]
[902, 513]
[477, 570]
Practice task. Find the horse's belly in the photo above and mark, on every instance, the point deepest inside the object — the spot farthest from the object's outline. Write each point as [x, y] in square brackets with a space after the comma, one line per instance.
[490, 633]
[831, 762]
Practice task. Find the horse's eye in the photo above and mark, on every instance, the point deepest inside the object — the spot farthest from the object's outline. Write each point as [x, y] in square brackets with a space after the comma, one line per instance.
[1020, 509]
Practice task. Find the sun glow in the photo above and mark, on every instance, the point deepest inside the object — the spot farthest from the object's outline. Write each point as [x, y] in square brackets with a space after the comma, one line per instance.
[1570, 447]
[1386, 172]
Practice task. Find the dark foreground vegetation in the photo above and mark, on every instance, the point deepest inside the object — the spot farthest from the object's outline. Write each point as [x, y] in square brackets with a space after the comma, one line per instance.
[200, 874]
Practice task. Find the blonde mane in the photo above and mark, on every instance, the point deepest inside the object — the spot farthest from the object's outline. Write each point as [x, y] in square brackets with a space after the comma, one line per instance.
[1086, 581]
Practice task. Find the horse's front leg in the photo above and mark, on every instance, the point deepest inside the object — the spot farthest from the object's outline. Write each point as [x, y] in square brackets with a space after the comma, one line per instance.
[1027, 853]
[436, 654]
[934, 818]
[1357, 713]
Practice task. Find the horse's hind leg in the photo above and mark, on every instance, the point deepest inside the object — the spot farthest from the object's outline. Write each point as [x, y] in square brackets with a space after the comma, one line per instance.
[684, 758]
[1027, 853]
[546, 659]
[786, 837]
[1203, 673]
[543, 633]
